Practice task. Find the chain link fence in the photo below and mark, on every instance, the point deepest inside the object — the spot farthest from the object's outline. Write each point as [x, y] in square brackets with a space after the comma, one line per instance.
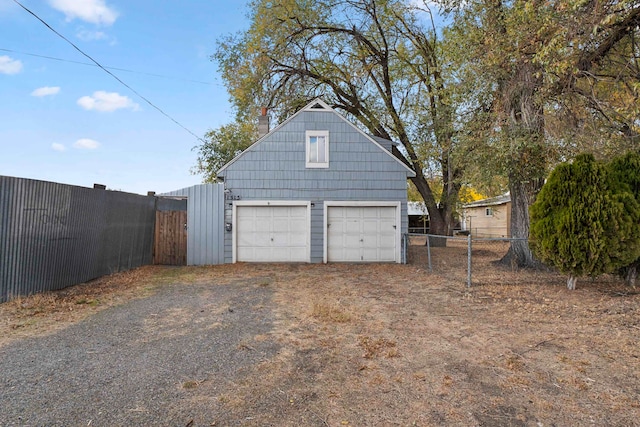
[468, 259]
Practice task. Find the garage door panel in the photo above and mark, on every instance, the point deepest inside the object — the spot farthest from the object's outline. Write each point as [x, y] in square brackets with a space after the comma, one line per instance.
[352, 243]
[265, 254]
[371, 226]
[297, 226]
[272, 234]
[245, 253]
[361, 233]
[254, 240]
[280, 225]
[261, 212]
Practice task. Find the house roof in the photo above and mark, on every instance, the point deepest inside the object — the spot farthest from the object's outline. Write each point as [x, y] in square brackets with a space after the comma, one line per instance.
[383, 140]
[319, 105]
[492, 201]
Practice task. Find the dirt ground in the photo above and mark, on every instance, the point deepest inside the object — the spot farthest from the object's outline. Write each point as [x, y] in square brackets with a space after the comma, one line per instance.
[377, 345]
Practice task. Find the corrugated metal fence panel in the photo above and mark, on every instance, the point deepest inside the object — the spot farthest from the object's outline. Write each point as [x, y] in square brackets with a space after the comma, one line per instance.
[55, 235]
[205, 222]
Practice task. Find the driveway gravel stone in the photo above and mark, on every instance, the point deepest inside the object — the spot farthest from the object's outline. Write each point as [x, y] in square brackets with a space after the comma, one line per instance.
[137, 363]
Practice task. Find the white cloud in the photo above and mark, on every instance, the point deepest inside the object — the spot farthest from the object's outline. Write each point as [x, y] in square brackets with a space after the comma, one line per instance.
[58, 147]
[93, 11]
[89, 36]
[107, 101]
[46, 91]
[86, 144]
[9, 65]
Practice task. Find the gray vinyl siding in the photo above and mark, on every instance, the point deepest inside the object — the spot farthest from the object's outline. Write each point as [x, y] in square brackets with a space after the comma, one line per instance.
[205, 223]
[274, 169]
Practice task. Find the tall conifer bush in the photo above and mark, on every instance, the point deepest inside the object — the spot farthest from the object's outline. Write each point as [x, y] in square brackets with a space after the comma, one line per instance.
[583, 223]
[626, 172]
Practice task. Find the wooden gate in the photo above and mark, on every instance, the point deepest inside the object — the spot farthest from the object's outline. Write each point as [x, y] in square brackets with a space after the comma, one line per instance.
[170, 247]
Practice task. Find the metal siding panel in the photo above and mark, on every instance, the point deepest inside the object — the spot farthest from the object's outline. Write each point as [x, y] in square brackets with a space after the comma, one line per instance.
[56, 235]
[205, 216]
[317, 232]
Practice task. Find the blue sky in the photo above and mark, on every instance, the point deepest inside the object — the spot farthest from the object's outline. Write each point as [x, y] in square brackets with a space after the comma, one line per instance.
[75, 124]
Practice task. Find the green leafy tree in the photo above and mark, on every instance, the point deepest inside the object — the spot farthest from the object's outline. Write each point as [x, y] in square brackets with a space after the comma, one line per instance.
[583, 223]
[378, 62]
[221, 146]
[626, 172]
[539, 79]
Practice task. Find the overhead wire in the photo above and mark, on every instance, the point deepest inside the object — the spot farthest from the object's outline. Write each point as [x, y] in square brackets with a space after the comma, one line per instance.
[109, 72]
[109, 68]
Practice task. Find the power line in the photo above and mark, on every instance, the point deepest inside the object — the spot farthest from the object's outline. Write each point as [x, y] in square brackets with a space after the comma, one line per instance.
[109, 72]
[108, 68]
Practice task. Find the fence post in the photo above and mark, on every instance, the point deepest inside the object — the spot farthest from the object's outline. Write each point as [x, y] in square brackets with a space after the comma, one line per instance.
[469, 261]
[429, 253]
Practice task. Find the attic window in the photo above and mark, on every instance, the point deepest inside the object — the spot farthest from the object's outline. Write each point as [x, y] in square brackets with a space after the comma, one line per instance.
[489, 211]
[317, 147]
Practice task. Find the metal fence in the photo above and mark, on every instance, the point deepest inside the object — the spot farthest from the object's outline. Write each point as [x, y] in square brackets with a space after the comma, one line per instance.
[54, 235]
[468, 259]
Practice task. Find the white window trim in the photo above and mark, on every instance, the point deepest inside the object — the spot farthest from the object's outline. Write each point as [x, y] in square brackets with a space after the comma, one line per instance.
[308, 135]
[234, 221]
[328, 204]
[488, 211]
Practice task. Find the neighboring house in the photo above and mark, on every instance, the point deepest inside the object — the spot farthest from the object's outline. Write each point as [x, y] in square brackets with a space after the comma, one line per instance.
[315, 189]
[488, 217]
[418, 217]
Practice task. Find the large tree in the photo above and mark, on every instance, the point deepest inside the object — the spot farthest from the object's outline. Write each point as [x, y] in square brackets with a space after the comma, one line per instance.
[531, 62]
[379, 62]
[222, 145]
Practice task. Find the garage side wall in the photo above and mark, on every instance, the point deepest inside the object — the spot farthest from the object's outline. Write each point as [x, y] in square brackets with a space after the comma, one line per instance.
[205, 223]
[274, 169]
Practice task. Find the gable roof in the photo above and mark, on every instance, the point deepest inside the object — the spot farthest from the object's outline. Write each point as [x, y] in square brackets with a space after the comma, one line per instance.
[319, 105]
[492, 201]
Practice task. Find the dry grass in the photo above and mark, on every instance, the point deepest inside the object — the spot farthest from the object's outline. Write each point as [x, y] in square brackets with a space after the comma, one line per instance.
[330, 312]
[395, 345]
[50, 311]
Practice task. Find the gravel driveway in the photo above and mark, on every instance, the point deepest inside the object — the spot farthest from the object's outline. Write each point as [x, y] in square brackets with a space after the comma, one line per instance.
[138, 363]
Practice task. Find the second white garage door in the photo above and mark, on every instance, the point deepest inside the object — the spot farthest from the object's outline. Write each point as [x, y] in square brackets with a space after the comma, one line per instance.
[272, 234]
[362, 233]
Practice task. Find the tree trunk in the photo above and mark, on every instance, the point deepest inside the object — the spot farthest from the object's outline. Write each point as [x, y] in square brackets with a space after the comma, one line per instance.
[525, 136]
[440, 217]
[631, 274]
[522, 196]
[571, 282]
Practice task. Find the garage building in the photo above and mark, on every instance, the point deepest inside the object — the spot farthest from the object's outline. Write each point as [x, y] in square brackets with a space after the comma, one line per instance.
[315, 189]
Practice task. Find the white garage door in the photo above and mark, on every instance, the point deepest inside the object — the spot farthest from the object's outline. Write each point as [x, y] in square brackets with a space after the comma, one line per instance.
[272, 234]
[361, 233]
